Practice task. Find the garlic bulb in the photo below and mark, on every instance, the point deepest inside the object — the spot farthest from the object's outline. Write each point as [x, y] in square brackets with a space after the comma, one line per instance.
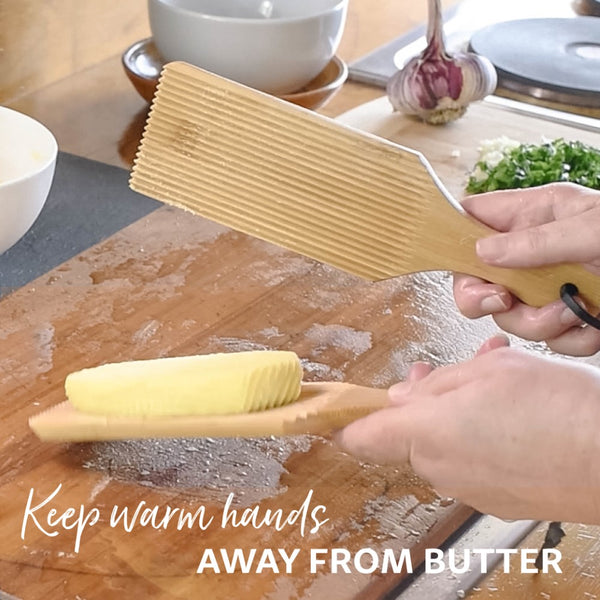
[437, 86]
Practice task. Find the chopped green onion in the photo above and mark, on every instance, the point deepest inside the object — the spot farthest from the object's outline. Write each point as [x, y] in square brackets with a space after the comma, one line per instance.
[530, 165]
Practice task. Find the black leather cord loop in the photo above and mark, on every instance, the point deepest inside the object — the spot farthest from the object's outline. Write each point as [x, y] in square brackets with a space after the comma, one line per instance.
[567, 294]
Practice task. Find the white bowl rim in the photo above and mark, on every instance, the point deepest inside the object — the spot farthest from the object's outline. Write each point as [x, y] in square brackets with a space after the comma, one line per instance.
[238, 20]
[46, 163]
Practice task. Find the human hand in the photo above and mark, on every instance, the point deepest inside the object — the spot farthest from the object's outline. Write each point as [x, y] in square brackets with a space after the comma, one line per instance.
[511, 434]
[550, 224]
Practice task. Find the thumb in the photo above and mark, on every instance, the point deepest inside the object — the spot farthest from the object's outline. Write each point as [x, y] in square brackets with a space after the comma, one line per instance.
[383, 437]
[574, 239]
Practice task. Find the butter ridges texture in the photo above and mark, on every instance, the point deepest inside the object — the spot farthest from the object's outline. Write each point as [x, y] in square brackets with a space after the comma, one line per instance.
[211, 384]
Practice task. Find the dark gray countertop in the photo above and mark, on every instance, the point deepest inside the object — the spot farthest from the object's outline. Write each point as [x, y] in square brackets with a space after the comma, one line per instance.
[88, 202]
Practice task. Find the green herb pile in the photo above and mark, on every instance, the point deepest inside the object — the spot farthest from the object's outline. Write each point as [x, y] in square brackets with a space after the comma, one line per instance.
[530, 165]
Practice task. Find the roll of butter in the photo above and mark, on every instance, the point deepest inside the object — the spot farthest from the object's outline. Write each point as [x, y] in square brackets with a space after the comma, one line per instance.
[211, 384]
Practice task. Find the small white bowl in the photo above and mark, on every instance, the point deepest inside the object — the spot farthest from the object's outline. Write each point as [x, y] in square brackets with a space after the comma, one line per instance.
[276, 46]
[27, 160]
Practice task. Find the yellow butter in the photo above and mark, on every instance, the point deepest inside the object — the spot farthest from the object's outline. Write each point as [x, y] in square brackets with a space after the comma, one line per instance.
[211, 384]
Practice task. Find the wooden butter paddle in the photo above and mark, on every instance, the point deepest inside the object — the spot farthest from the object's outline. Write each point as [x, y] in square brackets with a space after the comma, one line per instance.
[284, 174]
[320, 409]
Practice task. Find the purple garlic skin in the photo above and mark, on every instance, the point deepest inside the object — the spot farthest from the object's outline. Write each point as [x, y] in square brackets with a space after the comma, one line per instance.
[436, 76]
[437, 86]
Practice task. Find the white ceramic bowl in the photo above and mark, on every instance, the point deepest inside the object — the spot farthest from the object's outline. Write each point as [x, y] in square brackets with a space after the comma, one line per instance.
[276, 46]
[27, 160]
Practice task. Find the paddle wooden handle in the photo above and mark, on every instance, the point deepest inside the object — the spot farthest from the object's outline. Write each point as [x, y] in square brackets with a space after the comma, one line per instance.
[337, 405]
[451, 246]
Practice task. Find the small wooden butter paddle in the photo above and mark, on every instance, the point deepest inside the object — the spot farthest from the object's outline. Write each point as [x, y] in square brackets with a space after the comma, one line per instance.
[321, 408]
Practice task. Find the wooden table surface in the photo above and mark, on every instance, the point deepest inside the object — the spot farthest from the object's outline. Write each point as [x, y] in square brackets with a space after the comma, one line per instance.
[173, 284]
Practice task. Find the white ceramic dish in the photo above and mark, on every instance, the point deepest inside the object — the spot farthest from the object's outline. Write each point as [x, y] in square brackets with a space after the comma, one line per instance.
[27, 160]
[277, 46]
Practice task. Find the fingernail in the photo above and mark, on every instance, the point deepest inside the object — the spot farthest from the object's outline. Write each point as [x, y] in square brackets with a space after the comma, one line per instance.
[502, 339]
[568, 317]
[493, 304]
[491, 249]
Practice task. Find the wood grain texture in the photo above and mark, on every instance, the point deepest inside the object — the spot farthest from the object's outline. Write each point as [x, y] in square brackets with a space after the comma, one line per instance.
[44, 42]
[580, 577]
[173, 284]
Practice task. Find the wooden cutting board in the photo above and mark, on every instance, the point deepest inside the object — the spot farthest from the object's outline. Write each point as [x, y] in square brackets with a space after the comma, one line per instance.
[453, 149]
[174, 284]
